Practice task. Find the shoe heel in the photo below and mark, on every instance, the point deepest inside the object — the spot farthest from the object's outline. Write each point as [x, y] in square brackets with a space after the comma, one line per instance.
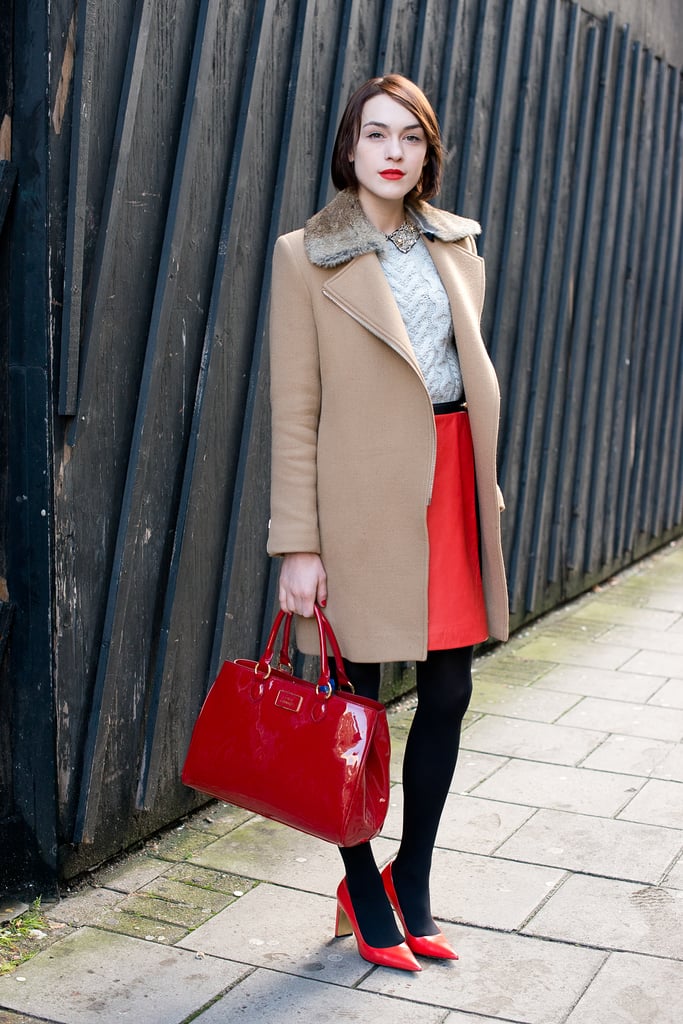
[342, 925]
[398, 956]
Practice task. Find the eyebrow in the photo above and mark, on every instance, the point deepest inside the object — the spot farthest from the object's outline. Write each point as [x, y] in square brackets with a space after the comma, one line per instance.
[381, 124]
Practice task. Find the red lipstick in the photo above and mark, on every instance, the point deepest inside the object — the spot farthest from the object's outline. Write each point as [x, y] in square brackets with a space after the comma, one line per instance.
[392, 174]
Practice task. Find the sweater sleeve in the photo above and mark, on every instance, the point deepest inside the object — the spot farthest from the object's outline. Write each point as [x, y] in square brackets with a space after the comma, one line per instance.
[295, 407]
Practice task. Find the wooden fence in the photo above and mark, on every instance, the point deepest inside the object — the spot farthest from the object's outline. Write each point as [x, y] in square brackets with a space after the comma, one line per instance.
[184, 137]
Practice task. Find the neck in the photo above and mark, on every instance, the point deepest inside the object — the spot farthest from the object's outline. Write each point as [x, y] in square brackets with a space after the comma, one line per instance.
[386, 215]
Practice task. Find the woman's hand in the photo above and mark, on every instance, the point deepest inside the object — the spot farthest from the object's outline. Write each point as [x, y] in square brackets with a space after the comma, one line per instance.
[303, 581]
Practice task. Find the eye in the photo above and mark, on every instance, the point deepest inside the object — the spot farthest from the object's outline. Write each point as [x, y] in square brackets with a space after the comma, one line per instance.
[414, 138]
[374, 135]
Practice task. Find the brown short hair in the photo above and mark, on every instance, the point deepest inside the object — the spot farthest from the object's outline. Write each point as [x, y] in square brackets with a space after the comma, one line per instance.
[413, 99]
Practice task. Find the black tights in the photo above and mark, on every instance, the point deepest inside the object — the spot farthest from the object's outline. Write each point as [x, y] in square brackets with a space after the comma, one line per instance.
[444, 688]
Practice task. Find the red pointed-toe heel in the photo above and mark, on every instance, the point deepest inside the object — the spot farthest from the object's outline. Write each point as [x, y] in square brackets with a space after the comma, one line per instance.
[347, 924]
[435, 946]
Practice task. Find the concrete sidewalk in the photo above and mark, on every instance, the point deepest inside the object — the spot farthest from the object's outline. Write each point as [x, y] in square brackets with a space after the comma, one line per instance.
[558, 873]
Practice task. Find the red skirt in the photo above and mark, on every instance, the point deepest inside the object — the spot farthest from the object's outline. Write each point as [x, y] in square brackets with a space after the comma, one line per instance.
[457, 612]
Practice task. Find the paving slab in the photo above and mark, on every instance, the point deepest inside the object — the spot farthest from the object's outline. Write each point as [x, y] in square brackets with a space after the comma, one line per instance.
[183, 893]
[85, 907]
[625, 718]
[599, 846]
[655, 663]
[561, 787]
[9, 1017]
[565, 651]
[616, 915]
[668, 696]
[140, 926]
[657, 803]
[95, 975]
[644, 639]
[132, 873]
[467, 824]
[270, 997]
[670, 599]
[500, 665]
[507, 977]
[602, 609]
[270, 852]
[473, 767]
[629, 755]
[671, 768]
[218, 818]
[487, 891]
[674, 880]
[534, 741]
[631, 989]
[207, 878]
[532, 703]
[176, 902]
[179, 844]
[602, 682]
[284, 930]
[464, 1018]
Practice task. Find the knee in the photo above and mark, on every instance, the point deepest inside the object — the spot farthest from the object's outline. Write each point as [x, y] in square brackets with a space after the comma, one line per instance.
[457, 701]
[444, 684]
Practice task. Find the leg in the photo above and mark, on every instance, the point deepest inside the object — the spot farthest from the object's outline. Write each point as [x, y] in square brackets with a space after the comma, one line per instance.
[375, 916]
[444, 688]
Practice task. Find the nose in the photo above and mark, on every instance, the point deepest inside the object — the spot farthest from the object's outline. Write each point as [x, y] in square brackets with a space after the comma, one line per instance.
[393, 148]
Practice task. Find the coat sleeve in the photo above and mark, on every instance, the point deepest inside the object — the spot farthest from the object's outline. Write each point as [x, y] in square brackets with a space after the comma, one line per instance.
[295, 406]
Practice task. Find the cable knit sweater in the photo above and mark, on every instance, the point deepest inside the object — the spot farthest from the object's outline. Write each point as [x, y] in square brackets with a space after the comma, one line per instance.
[424, 307]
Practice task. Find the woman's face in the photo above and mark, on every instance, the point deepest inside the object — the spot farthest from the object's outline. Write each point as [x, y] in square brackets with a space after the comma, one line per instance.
[390, 152]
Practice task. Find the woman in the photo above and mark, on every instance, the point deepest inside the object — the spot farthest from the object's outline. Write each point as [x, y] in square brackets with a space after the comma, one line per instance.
[374, 506]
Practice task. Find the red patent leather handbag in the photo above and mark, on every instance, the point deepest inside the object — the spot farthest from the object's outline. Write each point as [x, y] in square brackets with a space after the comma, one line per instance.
[311, 755]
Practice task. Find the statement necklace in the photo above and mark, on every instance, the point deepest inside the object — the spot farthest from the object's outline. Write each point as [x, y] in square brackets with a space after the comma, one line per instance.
[405, 236]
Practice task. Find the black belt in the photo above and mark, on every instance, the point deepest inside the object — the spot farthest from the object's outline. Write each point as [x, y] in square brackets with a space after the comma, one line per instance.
[440, 408]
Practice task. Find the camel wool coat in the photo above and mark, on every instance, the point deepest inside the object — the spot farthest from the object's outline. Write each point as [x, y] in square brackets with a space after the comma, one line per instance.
[354, 437]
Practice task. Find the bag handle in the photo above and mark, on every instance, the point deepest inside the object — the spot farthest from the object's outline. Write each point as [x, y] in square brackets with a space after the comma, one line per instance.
[325, 635]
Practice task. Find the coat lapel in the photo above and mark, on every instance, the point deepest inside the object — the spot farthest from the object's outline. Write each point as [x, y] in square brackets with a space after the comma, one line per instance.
[361, 290]
[462, 276]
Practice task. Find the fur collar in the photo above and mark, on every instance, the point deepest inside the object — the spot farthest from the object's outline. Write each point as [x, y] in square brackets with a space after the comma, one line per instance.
[341, 230]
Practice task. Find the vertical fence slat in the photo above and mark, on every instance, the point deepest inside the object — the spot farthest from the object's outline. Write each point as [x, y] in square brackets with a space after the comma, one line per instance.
[556, 357]
[467, 136]
[115, 192]
[581, 396]
[674, 441]
[648, 285]
[557, 549]
[632, 283]
[502, 71]
[87, 18]
[660, 326]
[594, 449]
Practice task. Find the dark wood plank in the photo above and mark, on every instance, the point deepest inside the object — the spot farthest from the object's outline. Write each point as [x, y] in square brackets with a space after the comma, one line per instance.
[8, 177]
[29, 511]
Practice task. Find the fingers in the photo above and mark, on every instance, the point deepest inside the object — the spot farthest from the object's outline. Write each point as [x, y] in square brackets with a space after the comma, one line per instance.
[302, 582]
[298, 604]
